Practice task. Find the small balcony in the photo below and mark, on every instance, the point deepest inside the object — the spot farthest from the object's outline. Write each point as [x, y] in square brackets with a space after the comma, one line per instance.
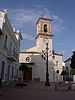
[12, 58]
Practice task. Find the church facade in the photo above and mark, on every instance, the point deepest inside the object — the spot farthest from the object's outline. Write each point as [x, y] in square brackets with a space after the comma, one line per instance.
[35, 58]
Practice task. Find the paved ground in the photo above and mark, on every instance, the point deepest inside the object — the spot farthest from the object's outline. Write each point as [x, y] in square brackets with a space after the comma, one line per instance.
[30, 93]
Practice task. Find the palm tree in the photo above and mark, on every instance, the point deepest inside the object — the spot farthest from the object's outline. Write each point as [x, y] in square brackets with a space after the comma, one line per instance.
[23, 68]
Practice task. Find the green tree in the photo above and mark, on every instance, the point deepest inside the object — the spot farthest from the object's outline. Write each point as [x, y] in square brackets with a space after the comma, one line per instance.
[23, 67]
[72, 71]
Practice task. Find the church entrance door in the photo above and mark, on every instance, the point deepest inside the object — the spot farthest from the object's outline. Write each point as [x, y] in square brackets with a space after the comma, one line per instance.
[27, 74]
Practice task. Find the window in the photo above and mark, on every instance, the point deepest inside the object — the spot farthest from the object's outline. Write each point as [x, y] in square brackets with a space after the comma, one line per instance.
[8, 72]
[56, 63]
[12, 75]
[16, 73]
[57, 71]
[28, 59]
[14, 52]
[2, 70]
[10, 48]
[5, 44]
[45, 28]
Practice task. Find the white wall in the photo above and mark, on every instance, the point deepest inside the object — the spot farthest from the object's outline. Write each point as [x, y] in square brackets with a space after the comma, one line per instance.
[5, 53]
[39, 67]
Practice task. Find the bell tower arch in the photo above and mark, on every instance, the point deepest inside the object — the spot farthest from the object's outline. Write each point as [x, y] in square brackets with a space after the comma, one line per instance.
[44, 30]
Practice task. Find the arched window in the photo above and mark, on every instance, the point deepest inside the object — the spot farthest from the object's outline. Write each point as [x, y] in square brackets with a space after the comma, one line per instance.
[57, 71]
[56, 63]
[45, 28]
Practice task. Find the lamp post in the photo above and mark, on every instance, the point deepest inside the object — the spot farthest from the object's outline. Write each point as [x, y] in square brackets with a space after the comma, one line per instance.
[47, 83]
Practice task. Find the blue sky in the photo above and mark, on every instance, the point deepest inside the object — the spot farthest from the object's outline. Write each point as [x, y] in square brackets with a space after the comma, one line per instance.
[23, 15]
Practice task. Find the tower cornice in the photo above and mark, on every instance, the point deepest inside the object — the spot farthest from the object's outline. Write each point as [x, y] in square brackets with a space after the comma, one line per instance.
[43, 19]
[44, 35]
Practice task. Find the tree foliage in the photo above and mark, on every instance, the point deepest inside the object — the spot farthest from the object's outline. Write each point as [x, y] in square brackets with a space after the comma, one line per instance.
[23, 67]
[72, 71]
[72, 65]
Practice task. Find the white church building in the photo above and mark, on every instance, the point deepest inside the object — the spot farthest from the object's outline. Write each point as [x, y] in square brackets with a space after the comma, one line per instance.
[35, 57]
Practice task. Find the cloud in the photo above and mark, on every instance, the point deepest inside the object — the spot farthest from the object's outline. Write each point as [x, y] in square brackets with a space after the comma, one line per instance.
[58, 23]
[28, 37]
[63, 51]
[73, 49]
[58, 44]
[22, 16]
[27, 15]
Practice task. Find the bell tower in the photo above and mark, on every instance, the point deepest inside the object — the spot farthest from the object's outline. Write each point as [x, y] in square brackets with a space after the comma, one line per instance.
[44, 30]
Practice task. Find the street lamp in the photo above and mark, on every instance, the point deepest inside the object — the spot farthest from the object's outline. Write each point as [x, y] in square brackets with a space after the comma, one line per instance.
[47, 83]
